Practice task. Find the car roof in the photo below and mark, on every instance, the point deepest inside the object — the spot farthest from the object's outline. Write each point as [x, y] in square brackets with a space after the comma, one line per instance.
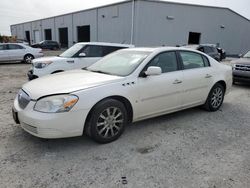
[106, 44]
[160, 49]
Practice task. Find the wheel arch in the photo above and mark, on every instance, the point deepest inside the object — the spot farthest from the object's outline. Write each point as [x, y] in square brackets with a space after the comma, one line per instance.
[223, 83]
[119, 98]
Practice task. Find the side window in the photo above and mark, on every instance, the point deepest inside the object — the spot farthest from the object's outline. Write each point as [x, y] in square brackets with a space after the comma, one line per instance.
[14, 47]
[207, 49]
[206, 61]
[192, 60]
[93, 51]
[201, 49]
[3, 47]
[166, 61]
[213, 49]
[109, 49]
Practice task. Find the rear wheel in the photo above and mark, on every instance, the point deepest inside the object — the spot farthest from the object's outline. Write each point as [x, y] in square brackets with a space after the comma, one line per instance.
[28, 58]
[108, 121]
[215, 98]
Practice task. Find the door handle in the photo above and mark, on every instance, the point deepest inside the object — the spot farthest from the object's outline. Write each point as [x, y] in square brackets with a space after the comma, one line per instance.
[70, 61]
[177, 81]
[208, 76]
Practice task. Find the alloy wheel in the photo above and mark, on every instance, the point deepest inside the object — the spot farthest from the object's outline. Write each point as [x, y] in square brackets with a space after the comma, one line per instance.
[110, 122]
[217, 97]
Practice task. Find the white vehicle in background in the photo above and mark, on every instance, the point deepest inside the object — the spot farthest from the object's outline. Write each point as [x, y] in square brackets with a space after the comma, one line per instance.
[79, 56]
[126, 86]
[18, 52]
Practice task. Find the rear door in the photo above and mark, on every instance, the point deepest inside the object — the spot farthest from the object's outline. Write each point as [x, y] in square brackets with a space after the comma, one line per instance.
[16, 52]
[4, 56]
[197, 77]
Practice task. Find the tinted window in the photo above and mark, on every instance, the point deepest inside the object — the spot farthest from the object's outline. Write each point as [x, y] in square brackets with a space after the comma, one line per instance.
[201, 49]
[206, 61]
[93, 51]
[3, 47]
[207, 49]
[109, 49]
[192, 60]
[213, 49]
[166, 61]
[14, 47]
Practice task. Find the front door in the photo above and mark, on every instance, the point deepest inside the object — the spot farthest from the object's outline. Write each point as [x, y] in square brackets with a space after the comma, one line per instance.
[161, 93]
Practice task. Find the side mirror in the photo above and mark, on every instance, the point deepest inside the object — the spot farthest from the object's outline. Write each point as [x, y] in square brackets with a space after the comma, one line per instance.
[153, 70]
[82, 55]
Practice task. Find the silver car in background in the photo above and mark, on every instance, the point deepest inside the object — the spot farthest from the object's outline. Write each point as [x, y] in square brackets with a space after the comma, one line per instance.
[18, 52]
[241, 69]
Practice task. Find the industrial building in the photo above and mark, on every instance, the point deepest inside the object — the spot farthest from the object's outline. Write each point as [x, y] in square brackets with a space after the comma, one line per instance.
[144, 23]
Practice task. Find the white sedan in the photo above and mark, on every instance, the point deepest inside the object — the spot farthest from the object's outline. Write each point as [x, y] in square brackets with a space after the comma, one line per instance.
[126, 86]
[18, 52]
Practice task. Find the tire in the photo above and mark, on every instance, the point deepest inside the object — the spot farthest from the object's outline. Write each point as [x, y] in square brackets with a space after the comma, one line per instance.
[28, 58]
[215, 98]
[107, 121]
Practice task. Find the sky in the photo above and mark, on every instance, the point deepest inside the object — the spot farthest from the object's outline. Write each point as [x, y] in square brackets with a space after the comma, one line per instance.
[18, 11]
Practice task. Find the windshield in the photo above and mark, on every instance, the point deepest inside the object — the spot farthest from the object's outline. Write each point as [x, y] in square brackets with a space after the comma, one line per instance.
[247, 55]
[121, 63]
[72, 51]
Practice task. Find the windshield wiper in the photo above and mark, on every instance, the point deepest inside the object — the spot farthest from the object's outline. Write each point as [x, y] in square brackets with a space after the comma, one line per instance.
[99, 71]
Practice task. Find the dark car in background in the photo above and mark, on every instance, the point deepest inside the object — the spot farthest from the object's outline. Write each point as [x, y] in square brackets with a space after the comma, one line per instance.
[209, 49]
[222, 53]
[241, 69]
[47, 44]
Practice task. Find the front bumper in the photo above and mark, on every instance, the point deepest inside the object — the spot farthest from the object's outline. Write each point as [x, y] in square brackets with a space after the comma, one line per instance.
[49, 125]
[241, 76]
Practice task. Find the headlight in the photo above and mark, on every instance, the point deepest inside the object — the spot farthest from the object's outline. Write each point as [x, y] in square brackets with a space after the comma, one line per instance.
[41, 65]
[56, 103]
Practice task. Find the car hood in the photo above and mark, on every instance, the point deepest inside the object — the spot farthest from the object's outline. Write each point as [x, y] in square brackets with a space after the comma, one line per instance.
[67, 82]
[50, 58]
[242, 61]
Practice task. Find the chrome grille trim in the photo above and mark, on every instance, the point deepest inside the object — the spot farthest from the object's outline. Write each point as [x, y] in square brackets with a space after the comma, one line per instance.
[242, 67]
[23, 99]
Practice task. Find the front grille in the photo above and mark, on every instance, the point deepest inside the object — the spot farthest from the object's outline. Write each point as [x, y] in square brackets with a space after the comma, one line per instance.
[23, 99]
[242, 67]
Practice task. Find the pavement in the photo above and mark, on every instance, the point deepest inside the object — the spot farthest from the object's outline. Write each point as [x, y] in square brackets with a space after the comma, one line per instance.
[187, 149]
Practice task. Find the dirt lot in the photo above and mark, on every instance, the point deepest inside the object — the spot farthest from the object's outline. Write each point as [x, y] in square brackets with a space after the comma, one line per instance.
[192, 148]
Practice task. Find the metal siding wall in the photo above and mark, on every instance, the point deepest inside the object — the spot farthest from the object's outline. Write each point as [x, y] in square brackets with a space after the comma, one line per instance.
[36, 26]
[27, 27]
[48, 24]
[86, 18]
[61, 22]
[114, 23]
[13, 30]
[152, 28]
[155, 29]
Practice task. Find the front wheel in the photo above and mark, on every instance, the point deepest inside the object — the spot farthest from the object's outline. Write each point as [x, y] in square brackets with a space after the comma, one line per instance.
[108, 121]
[215, 98]
[28, 58]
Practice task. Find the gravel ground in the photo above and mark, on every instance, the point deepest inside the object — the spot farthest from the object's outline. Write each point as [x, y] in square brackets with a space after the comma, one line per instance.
[191, 148]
